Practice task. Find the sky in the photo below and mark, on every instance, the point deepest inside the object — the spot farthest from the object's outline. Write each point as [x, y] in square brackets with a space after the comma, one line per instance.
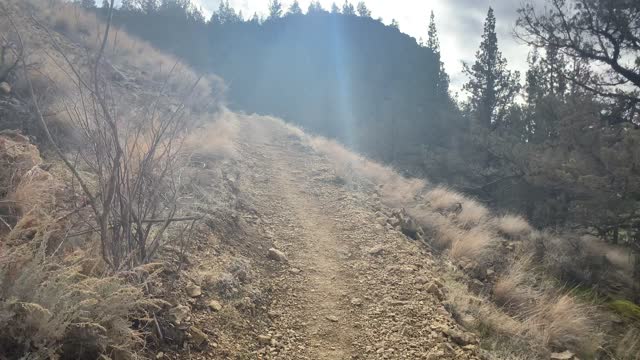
[459, 22]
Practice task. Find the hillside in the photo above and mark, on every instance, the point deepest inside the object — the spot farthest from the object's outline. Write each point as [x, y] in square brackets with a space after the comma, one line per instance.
[141, 218]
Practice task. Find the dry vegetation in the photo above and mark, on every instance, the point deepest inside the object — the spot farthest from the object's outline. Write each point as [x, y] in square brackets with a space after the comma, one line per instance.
[521, 310]
[76, 230]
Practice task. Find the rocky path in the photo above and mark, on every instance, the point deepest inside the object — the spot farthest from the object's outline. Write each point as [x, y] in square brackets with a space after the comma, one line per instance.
[352, 286]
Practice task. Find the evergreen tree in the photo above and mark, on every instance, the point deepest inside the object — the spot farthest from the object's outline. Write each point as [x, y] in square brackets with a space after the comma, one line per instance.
[295, 9]
[347, 8]
[395, 24]
[555, 72]
[363, 10]
[314, 7]
[535, 87]
[335, 9]
[86, 4]
[275, 9]
[255, 18]
[491, 85]
[225, 14]
[149, 6]
[433, 42]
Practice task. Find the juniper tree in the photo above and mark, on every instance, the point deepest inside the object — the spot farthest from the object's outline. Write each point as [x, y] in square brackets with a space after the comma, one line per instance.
[491, 85]
[295, 9]
[433, 43]
[275, 9]
[363, 10]
[314, 7]
[348, 9]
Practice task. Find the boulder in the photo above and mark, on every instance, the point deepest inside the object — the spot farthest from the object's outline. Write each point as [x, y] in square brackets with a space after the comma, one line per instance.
[5, 88]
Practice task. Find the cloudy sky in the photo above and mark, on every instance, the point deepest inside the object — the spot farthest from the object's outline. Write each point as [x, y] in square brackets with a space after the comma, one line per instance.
[459, 22]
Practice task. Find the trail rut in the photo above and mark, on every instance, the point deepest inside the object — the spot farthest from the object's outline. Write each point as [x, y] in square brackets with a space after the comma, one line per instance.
[353, 287]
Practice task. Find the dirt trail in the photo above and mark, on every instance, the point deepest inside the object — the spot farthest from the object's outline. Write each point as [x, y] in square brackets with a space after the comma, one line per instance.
[353, 286]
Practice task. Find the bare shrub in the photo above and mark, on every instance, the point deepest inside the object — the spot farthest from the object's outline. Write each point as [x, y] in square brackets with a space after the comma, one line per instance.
[513, 226]
[133, 158]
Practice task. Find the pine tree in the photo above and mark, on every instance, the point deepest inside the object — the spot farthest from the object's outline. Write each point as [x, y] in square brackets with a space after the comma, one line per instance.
[555, 67]
[363, 10]
[314, 7]
[347, 8]
[275, 9]
[433, 43]
[87, 4]
[335, 9]
[491, 85]
[395, 24]
[225, 14]
[535, 84]
[149, 6]
[295, 9]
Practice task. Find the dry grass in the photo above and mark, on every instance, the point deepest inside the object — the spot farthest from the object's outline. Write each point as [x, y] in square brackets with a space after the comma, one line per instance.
[51, 310]
[216, 138]
[442, 198]
[125, 54]
[396, 190]
[511, 290]
[473, 245]
[562, 322]
[513, 226]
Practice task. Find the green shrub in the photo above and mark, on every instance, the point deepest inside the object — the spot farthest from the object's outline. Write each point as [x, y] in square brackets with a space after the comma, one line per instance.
[626, 308]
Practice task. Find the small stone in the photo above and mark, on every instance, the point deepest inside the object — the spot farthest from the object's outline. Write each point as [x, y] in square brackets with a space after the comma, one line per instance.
[565, 355]
[332, 318]
[295, 271]
[276, 255]
[198, 337]
[376, 250]
[215, 305]
[490, 272]
[5, 88]
[356, 302]
[458, 337]
[432, 288]
[264, 339]
[179, 314]
[193, 290]
[160, 355]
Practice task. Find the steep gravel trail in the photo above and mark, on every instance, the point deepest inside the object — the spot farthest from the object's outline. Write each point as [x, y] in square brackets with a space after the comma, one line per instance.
[353, 287]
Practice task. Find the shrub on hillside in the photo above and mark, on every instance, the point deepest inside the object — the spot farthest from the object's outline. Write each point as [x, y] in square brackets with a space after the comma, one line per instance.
[51, 310]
